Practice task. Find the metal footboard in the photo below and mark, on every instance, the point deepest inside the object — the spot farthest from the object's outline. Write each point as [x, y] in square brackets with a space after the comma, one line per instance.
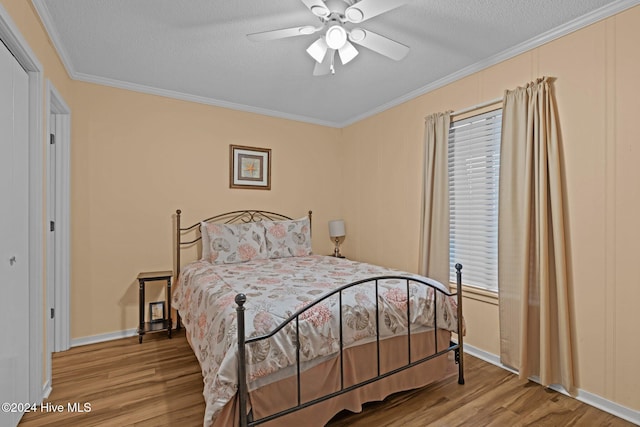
[246, 419]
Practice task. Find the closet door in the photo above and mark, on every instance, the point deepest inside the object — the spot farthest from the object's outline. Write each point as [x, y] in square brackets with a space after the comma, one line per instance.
[14, 239]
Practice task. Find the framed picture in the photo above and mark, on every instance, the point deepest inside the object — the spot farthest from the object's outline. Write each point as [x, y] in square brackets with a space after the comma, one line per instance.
[156, 311]
[250, 167]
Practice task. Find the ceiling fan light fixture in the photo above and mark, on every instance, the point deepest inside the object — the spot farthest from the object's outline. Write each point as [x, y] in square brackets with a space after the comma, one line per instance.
[347, 53]
[353, 14]
[336, 37]
[318, 50]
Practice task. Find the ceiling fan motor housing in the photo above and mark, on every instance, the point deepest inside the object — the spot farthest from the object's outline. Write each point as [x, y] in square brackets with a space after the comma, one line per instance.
[336, 6]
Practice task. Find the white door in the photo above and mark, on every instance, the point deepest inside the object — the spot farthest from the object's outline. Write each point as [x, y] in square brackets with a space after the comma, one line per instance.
[14, 239]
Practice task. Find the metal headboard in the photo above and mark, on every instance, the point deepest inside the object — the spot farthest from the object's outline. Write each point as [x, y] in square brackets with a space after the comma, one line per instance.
[233, 217]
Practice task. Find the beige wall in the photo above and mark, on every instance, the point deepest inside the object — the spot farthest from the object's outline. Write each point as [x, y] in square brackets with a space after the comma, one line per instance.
[136, 158]
[598, 97]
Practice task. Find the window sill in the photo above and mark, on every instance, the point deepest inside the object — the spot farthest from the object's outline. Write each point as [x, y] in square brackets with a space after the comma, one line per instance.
[477, 294]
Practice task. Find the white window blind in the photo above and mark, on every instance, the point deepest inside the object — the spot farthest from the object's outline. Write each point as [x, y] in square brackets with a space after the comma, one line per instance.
[474, 166]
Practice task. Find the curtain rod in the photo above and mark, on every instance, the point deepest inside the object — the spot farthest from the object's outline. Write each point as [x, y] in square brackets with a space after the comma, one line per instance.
[477, 107]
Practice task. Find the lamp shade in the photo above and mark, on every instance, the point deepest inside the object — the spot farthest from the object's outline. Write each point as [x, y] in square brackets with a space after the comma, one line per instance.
[336, 228]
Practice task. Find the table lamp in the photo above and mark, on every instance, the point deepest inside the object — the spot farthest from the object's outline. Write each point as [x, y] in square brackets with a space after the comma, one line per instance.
[336, 231]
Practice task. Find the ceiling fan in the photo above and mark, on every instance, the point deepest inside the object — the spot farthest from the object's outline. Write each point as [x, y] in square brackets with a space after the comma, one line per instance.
[337, 18]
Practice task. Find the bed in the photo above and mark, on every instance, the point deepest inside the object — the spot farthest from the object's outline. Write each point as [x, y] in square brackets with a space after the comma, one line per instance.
[285, 337]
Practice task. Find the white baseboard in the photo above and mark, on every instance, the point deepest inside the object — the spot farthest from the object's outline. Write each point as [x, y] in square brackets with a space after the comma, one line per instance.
[583, 396]
[93, 339]
[46, 390]
[494, 359]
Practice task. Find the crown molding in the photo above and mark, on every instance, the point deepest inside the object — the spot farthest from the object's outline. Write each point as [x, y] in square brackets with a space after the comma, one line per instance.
[150, 90]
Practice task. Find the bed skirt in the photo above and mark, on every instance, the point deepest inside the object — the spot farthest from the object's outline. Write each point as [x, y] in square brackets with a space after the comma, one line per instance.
[359, 365]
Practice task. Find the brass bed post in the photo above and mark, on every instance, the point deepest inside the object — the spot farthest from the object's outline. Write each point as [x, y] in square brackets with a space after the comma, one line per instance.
[459, 352]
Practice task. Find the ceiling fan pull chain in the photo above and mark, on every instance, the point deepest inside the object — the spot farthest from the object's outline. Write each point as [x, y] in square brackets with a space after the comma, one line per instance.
[332, 68]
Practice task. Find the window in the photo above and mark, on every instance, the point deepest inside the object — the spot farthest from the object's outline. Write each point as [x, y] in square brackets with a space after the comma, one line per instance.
[474, 166]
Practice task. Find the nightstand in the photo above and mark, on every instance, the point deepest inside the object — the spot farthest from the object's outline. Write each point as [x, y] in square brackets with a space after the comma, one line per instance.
[163, 322]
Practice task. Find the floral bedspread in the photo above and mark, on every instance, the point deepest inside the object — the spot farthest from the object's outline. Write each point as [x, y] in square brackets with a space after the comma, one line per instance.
[275, 289]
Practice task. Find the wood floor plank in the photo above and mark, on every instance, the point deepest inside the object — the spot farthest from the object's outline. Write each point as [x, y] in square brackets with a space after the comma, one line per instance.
[158, 384]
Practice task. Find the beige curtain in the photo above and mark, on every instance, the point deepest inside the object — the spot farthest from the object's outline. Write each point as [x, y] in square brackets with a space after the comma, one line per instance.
[434, 236]
[535, 332]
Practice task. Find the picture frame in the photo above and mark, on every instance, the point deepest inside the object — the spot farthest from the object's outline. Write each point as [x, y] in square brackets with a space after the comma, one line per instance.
[156, 311]
[249, 167]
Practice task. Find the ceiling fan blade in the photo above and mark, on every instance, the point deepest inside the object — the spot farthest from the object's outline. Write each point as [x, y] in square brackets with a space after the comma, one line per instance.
[317, 7]
[318, 49]
[367, 9]
[347, 53]
[326, 66]
[284, 33]
[377, 43]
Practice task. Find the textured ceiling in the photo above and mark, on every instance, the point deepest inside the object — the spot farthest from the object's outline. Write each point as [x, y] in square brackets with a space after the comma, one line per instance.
[198, 50]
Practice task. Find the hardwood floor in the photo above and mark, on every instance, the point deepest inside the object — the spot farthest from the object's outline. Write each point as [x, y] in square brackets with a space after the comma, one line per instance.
[158, 383]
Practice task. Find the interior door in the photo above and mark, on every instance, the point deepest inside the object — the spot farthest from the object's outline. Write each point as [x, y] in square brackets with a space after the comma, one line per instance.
[14, 239]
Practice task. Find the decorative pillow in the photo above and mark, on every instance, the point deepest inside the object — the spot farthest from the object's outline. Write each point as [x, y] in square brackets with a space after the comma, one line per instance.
[288, 238]
[234, 243]
[206, 249]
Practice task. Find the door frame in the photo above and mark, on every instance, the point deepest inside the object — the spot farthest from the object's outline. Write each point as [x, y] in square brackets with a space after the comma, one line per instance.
[57, 292]
[19, 48]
